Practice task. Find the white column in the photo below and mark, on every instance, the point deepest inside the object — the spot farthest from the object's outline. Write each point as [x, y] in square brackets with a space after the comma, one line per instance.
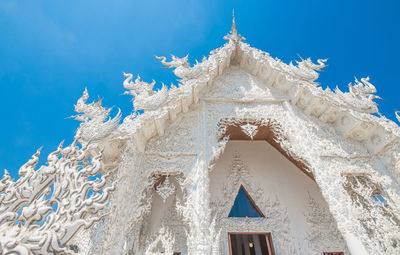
[354, 244]
[200, 227]
[198, 204]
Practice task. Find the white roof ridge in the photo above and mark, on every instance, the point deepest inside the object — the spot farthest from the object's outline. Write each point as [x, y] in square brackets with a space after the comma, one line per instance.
[299, 79]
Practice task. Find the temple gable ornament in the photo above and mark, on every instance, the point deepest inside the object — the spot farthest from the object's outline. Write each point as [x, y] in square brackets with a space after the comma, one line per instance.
[249, 130]
[322, 165]
[144, 98]
[165, 189]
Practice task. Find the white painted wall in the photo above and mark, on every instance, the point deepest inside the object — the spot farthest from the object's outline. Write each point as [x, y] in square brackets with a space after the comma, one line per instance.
[278, 178]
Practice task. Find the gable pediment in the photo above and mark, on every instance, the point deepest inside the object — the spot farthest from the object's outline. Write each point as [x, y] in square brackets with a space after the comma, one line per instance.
[239, 73]
[237, 84]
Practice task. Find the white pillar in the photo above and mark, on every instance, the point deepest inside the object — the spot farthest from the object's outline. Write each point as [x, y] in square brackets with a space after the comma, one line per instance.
[355, 245]
[199, 240]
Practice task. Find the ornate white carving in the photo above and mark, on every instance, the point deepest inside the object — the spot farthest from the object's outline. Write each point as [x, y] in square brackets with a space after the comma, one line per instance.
[144, 98]
[249, 130]
[322, 128]
[360, 95]
[43, 209]
[95, 121]
[316, 143]
[182, 67]
[276, 218]
[162, 243]
[165, 189]
[378, 215]
[323, 234]
[196, 211]
[179, 137]
[305, 70]
[233, 35]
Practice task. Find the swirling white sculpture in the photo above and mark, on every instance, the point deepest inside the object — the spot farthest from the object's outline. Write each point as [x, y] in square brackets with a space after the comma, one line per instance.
[144, 98]
[182, 67]
[95, 121]
[44, 208]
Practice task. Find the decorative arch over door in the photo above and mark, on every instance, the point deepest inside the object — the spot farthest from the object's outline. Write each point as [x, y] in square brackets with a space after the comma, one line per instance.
[277, 221]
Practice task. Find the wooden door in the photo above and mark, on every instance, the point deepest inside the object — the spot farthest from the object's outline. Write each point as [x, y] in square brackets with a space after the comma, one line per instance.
[250, 243]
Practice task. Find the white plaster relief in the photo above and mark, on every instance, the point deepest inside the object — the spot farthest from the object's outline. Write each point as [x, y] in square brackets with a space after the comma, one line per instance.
[249, 130]
[276, 219]
[322, 234]
[51, 201]
[165, 189]
[144, 98]
[161, 243]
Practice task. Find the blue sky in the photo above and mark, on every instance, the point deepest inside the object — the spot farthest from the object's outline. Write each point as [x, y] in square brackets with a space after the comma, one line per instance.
[51, 50]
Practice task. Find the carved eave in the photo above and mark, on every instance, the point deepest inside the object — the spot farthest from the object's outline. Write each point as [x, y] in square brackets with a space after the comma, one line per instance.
[297, 86]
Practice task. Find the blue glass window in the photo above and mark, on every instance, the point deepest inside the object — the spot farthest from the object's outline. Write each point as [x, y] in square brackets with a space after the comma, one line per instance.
[244, 206]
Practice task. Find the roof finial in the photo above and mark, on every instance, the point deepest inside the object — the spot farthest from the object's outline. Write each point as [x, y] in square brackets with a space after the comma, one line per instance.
[233, 35]
[233, 30]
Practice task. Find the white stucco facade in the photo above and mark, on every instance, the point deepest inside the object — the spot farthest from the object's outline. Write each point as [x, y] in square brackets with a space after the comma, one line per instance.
[325, 175]
[279, 188]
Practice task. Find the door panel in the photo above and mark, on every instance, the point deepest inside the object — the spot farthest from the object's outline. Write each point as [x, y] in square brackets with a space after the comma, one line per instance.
[250, 244]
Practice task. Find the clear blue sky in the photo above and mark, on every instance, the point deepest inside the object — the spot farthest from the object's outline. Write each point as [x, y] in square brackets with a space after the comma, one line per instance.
[51, 50]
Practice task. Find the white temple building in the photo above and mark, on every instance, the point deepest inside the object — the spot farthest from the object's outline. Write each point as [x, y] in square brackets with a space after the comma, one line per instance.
[247, 156]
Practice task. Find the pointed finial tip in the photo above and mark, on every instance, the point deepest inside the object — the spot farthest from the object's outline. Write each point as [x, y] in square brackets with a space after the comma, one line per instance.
[233, 35]
[233, 21]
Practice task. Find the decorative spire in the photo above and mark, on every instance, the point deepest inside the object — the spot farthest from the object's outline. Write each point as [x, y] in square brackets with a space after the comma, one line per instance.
[233, 35]
[233, 29]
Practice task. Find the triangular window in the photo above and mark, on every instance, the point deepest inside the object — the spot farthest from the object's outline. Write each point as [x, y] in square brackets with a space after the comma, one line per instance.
[244, 206]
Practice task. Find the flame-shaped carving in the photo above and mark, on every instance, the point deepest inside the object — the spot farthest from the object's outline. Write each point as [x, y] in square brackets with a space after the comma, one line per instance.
[305, 70]
[96, 122]
[43, 209]
[182, 67]
[144, 98]
[360, 96]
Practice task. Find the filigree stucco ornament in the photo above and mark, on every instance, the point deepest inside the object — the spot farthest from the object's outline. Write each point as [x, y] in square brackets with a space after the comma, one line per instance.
[378, 215]
[322, 233]
[195, 209]
[329, 132]
[43, 209]
[276, 217]
[144, 98]
[249, 130]
[360, 96]
[96, 123]
[165, 189]
[161, 243]
[307, 70]
[182, 67]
